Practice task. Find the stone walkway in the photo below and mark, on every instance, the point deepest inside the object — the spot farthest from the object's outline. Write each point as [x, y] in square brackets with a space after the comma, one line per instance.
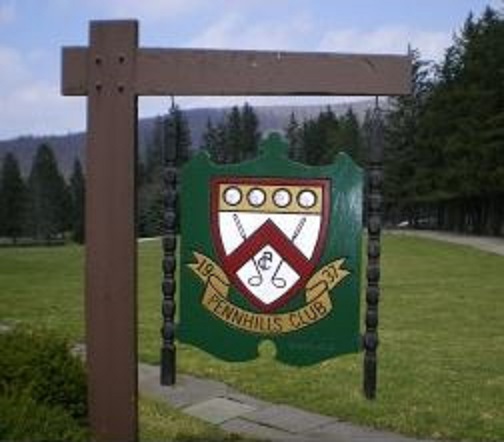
[235, 412]
[490, 244]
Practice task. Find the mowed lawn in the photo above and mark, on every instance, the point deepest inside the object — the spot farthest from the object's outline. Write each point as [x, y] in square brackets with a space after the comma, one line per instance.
[441, 358]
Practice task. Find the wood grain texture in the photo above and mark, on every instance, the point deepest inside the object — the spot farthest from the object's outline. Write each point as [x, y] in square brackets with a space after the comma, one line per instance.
[110, 232]
[220, 72]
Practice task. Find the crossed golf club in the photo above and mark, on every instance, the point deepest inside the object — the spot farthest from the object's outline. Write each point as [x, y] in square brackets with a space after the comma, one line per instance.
[257, 279]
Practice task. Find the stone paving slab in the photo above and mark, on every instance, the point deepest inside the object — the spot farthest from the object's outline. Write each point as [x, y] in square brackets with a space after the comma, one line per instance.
[249, 428]
[187, 391]
[344, 432]
[288, 418]
[218, 410]
[246, 399]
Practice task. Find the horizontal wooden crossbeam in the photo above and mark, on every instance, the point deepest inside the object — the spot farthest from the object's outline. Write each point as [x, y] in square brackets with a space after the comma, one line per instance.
[227, 72]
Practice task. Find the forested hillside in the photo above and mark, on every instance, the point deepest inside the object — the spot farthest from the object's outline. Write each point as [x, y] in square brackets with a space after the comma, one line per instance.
[71, 146]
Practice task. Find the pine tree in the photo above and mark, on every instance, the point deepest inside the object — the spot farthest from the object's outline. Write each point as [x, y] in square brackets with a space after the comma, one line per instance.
[221, 139]
[154, 151]
[78, 196]
[12, 199]
[321, 138]
[350, 136]
[49, 198]
[405, 168]
[234, 136]
[210, 142]
[215, 141]
[294, 138]
[177, 135]
[462, 162]
[444, 151]
[169, 133]
[151, 209]
[250, 132]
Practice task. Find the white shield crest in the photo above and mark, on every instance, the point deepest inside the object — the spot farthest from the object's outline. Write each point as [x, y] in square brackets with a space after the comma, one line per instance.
[269, 234]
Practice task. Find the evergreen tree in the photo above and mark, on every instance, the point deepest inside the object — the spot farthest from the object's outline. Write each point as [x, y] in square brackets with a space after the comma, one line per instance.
[321, 138]
[234, 136]
[169, 134]
[221, 139]
[294, 138]
[49, 198]
[177, 135]
[457, 132]
[151, 209]
[251, 134]
[445, 150]
[211, 142]
[350, 140]
[154, 151]
[404, 167]
[12, 199]
[313, 143]
[234, 139]
[78, 196]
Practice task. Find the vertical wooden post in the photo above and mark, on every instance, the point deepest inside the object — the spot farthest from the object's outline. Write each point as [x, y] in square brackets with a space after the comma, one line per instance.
[110, 231]
[374, 202]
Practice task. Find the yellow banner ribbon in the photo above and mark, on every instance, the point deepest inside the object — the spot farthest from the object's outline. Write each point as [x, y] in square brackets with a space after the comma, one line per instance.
[318, 301]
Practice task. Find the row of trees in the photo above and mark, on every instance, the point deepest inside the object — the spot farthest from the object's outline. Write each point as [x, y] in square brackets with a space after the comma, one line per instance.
[313, 141]
[317, 141]
[444, 150]
[45, 206]
[445, 143]
[234, 139]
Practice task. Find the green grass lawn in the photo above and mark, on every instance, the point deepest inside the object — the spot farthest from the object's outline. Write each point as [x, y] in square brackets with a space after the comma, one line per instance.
[441, 358]
[159, 422]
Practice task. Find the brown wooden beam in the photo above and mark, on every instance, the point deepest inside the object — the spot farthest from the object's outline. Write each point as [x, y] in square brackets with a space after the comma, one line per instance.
[220, 72]
[74, 71]
[110, 229]
[204, 72]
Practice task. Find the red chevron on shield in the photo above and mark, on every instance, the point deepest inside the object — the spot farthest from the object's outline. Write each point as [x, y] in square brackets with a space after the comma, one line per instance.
[269, 234]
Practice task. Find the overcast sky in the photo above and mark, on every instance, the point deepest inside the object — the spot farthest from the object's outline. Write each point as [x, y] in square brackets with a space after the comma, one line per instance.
[32, 33]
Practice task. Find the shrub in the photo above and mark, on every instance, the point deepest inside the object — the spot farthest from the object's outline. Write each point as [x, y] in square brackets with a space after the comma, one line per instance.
[23, 419]
[41, 366]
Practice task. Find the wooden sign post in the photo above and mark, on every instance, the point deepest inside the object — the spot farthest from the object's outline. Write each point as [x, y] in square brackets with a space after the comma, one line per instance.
[112, 72]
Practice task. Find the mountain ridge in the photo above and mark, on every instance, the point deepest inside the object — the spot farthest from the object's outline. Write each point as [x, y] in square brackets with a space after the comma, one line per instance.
[70, 146]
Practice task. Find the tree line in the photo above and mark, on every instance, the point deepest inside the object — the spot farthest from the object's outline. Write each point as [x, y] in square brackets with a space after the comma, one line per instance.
[45, 205]
[445, 142]
[234, 139]
[317, 141]
[443, 159]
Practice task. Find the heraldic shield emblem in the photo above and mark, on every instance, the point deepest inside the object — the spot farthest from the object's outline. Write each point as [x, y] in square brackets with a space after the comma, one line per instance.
[271, 249]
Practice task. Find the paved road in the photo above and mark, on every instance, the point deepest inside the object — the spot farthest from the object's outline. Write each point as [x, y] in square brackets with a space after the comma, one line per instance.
[490, 244]
[235, 412]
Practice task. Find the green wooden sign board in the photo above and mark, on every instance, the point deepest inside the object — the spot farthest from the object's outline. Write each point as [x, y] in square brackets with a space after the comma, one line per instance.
[271, 249]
